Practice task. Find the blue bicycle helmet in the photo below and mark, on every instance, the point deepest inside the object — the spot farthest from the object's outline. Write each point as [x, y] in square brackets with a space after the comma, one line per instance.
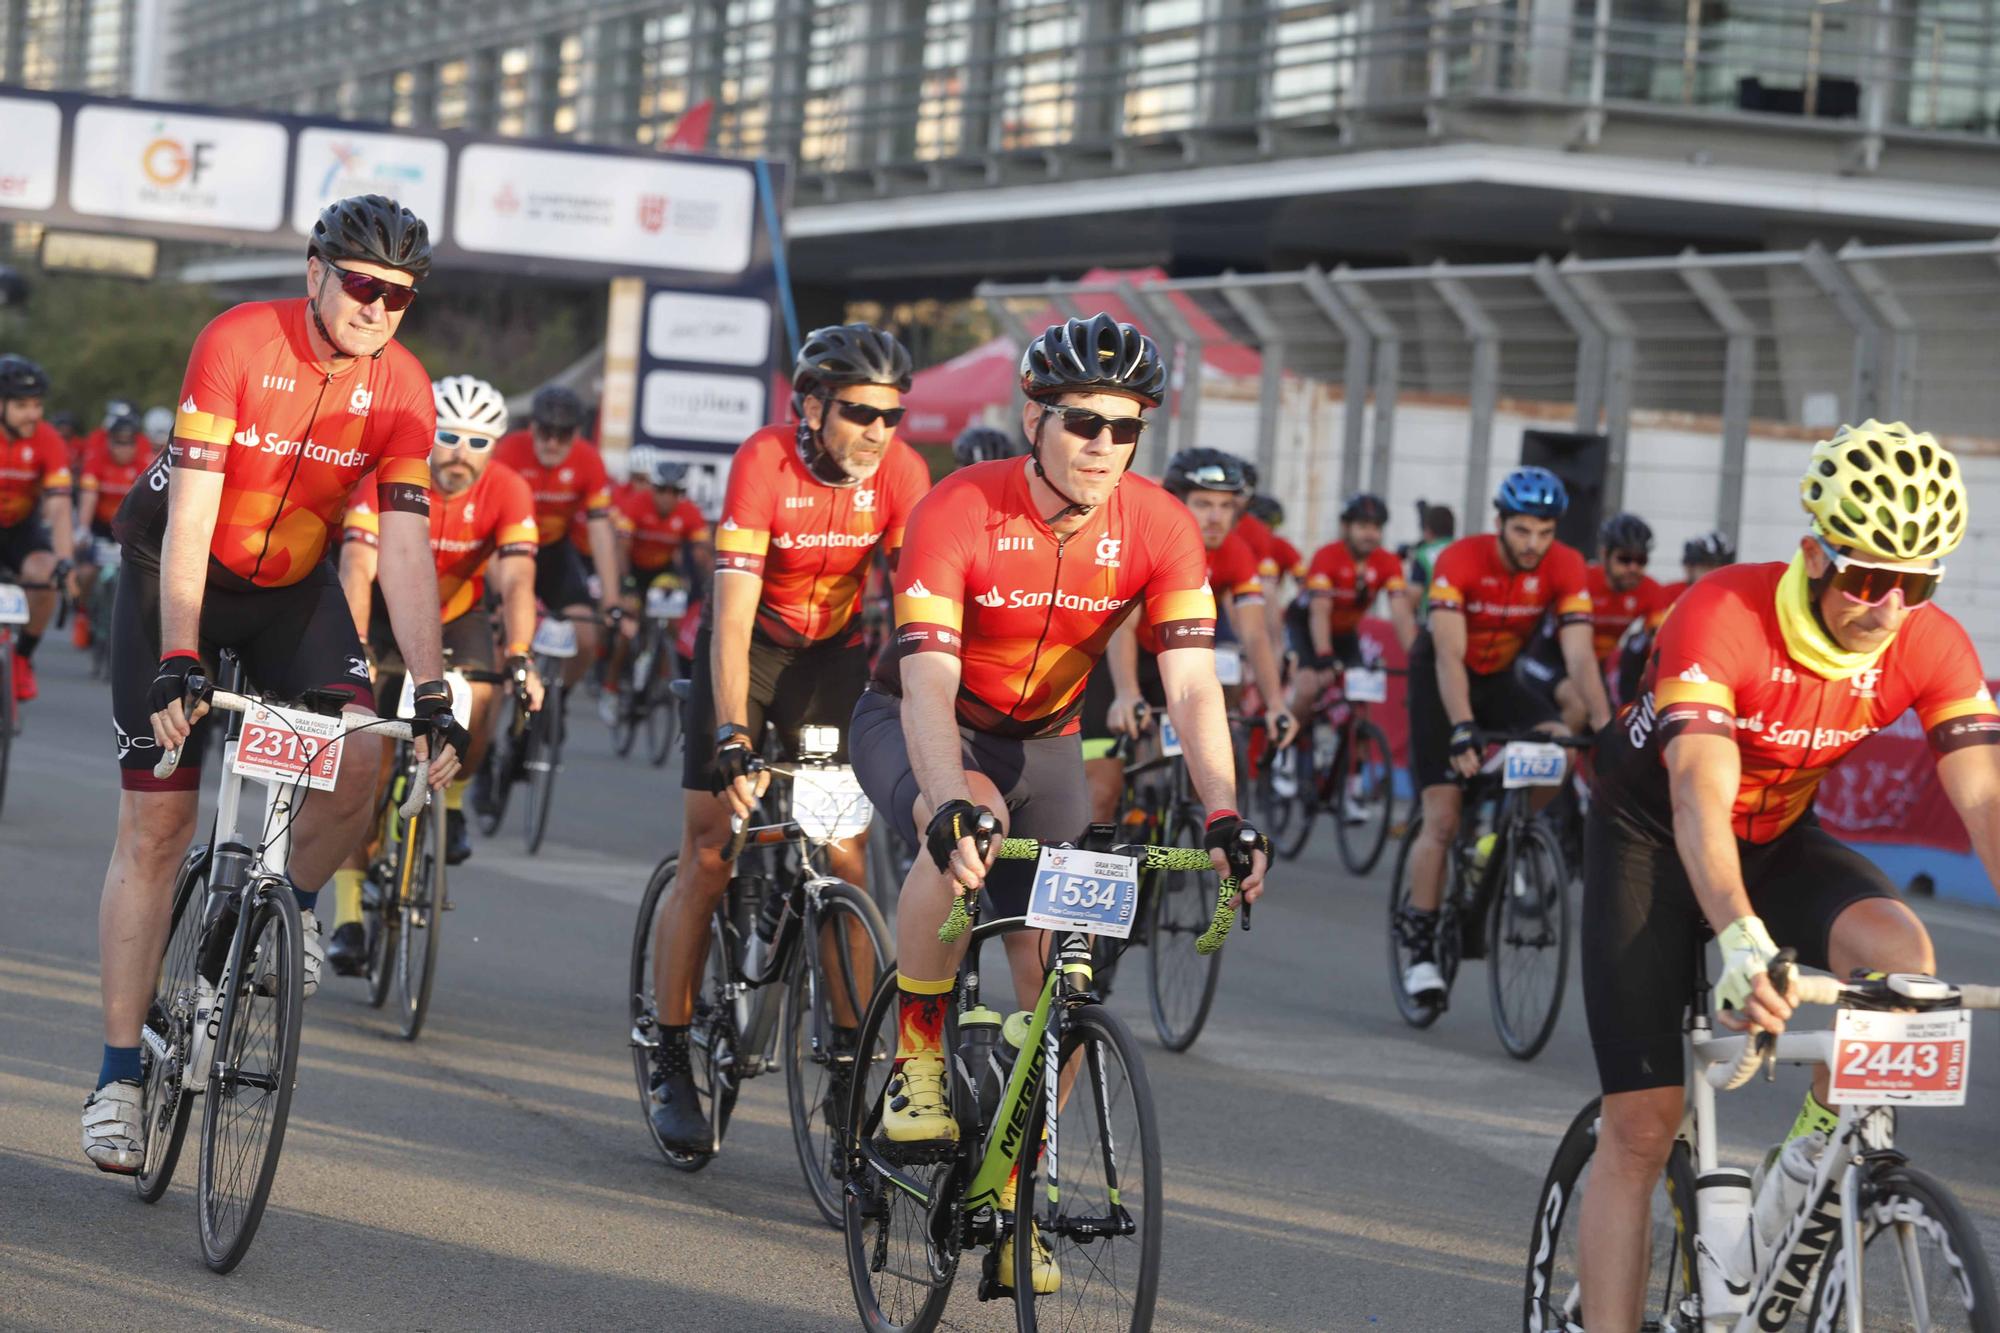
[1534, 491]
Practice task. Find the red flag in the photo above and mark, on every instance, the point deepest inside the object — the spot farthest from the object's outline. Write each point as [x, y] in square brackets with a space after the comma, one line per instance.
[690, 132]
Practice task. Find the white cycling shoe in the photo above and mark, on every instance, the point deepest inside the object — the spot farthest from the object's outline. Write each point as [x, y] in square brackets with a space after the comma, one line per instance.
[312, 951]
[1421, 979]
[114, 1133]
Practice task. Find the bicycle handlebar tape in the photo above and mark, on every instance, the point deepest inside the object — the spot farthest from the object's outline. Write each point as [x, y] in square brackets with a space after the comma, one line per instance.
[960, 918]
[1225, 917]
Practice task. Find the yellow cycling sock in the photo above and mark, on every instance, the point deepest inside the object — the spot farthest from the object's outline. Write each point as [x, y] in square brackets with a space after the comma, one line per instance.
[454, 793]
[920, 1030]
[1813, 1119]
[346, 896]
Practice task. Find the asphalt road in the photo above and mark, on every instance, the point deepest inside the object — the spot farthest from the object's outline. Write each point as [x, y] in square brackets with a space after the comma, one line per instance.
[1326, 1167]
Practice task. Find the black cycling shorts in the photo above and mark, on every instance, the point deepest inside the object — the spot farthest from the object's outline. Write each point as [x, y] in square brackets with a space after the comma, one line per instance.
[560, 578]
[1642, 926]
[290, 640]
[1500, 702]
[789, 687]
[1040, 779]
[1298, 638]
[1098, 693]
[22, 540]
[1541, 666]
[468, 646]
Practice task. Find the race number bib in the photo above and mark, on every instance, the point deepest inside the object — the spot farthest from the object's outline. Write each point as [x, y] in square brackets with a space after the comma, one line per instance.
[13, 604]
[828, 803]
[1228, 664]
[1096, 893]
[289, 745]
[1531, 764]
[1170, 738]
[461, 698]
[555, 637]
[666, 603]
[1366, 685]
[1902, 1059]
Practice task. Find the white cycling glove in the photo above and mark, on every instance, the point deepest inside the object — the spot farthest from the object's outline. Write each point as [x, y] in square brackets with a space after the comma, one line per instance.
[1747, 951]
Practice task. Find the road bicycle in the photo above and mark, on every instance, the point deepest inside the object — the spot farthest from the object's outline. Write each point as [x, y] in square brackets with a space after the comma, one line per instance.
[1342, 766]
[527, 747]
[1054, 1109]
[223, 1024]
[13, 612]
[1506, 896]
[793, 956]
[650, 663]
[1860, 1240]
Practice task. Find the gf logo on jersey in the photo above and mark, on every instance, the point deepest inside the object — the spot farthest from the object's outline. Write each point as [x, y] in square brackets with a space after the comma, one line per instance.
[1107, 551]
[565, 475]
[864, 501]
[359, 401]
[1864, 682]
[1784, 675]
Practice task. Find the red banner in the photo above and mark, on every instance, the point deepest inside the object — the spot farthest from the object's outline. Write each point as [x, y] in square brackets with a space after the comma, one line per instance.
[1887, 790]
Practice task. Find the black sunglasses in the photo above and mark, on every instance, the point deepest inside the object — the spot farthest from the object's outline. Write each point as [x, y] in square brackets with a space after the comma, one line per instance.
[367, 290]
[861, 414]
[1628, 558]
[477, 443]
[1088, 425]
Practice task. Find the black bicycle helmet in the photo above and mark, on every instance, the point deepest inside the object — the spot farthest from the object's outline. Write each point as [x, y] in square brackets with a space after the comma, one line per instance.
[64, 423]
[1364, 507]
[1095, 355]
[843, 354]
[1626, 532]
[1711, 548]
[22, 378]
[375, 229]
[1266, 509]
[1205, 470]
[556, 408]
[125, 423]
[983, 444]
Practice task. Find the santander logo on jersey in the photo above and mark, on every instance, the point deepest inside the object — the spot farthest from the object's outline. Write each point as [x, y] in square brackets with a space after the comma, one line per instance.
[1023, 600]
[314, 451]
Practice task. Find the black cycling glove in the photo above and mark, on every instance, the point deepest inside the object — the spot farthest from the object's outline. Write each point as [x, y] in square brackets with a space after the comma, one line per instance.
[1225, 834]
[430, 704]
[171, 681]
[732, 758]
[1464, 739]
[953, 820]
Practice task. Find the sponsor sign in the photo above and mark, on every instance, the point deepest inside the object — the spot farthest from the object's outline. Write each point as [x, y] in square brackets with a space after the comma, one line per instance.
[176, 167]
[336, 163]
[716, 330]
[29, 152]
[678, 405]
[112, 256]
[647, 213]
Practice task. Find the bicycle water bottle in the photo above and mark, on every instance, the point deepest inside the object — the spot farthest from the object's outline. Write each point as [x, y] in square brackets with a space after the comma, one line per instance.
[979, 1045]
[757, 898]
[1784, 1187]
[1722, 1216]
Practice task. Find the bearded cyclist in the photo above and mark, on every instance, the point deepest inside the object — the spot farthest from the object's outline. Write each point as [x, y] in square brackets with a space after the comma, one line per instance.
[1343, 581]
[109, 474]
[1013, 579]
[1488, 593]
[1763, 679]
[807, 506]
[482, 522]
[285, 405]
[37, 530]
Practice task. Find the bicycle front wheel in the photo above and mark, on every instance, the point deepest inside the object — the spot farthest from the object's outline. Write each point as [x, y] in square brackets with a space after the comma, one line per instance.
[645, 1013]
[1289, 793]
[663, 712]
[1418, 1013]
[8, 711]
[1553, 1302]
[168, 1086]
[250, 1079]
[1364, 797]
[1527, 941]
[420, 909]
[382, 920]
[544, 758]
[1094, 1198]
[1922, 1262]
[833, 974]
[1180, 982]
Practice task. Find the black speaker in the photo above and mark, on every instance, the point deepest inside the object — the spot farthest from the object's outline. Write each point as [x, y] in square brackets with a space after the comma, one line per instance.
[1579, 458]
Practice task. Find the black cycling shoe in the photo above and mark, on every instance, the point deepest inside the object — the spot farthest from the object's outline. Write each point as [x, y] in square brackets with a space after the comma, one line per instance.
[347, 950]
[677, 1115]
[457, 842]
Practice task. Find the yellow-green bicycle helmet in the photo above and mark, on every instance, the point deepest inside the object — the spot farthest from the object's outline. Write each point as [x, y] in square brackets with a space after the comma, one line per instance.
[1887, 492]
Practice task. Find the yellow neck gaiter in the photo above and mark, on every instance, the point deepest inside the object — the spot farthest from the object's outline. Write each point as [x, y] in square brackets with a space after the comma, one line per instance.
[1810, 646]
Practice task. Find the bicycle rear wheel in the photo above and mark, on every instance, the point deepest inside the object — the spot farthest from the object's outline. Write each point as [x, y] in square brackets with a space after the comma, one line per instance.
[420, 909]
[1923, 1265]
[1527, 941]
[1552, 1298]
[826, 995]
[626, 719]
[382, 919]
[544, 759]
[1180, 982]
[901, 1280]
[1095, 1196]
[250, 1079]
[491, 787]
[663, 711]
[1364, 797]
[1288, 794]
[166, 1099]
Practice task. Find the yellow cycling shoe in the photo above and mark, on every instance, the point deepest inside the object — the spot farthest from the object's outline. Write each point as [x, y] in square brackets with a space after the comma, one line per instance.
[1047, 1277]
[915, 1114]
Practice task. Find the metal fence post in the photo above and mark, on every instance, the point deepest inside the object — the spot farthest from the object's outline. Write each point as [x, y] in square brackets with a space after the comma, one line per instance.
[1620, 363]
[1271, 371]
[1863, 391]
[1739, 382]
[1388, 380]
[1359, 349]
[1898, 367]
[1157, 308]
[1589, 341]
[1484, 389]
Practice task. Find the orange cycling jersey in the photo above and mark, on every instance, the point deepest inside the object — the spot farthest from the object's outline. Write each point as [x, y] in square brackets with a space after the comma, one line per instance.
[1276, 557]
[1502, 605]
[1029, 614]
[656, 538]
[1722, 668]
[576, 484]
[1350, 585]
[809, 541]
[1232, 573]
[290, 440]
[106, 480]
[29, 470]
[494, 515]
[1612, 613]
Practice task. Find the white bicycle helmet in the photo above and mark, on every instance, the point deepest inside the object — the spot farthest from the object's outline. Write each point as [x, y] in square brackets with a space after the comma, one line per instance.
[468, 403]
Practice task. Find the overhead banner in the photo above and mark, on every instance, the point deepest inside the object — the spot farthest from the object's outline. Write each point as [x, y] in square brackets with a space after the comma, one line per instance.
[30, 153]
[339, 163]
[186, 169]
